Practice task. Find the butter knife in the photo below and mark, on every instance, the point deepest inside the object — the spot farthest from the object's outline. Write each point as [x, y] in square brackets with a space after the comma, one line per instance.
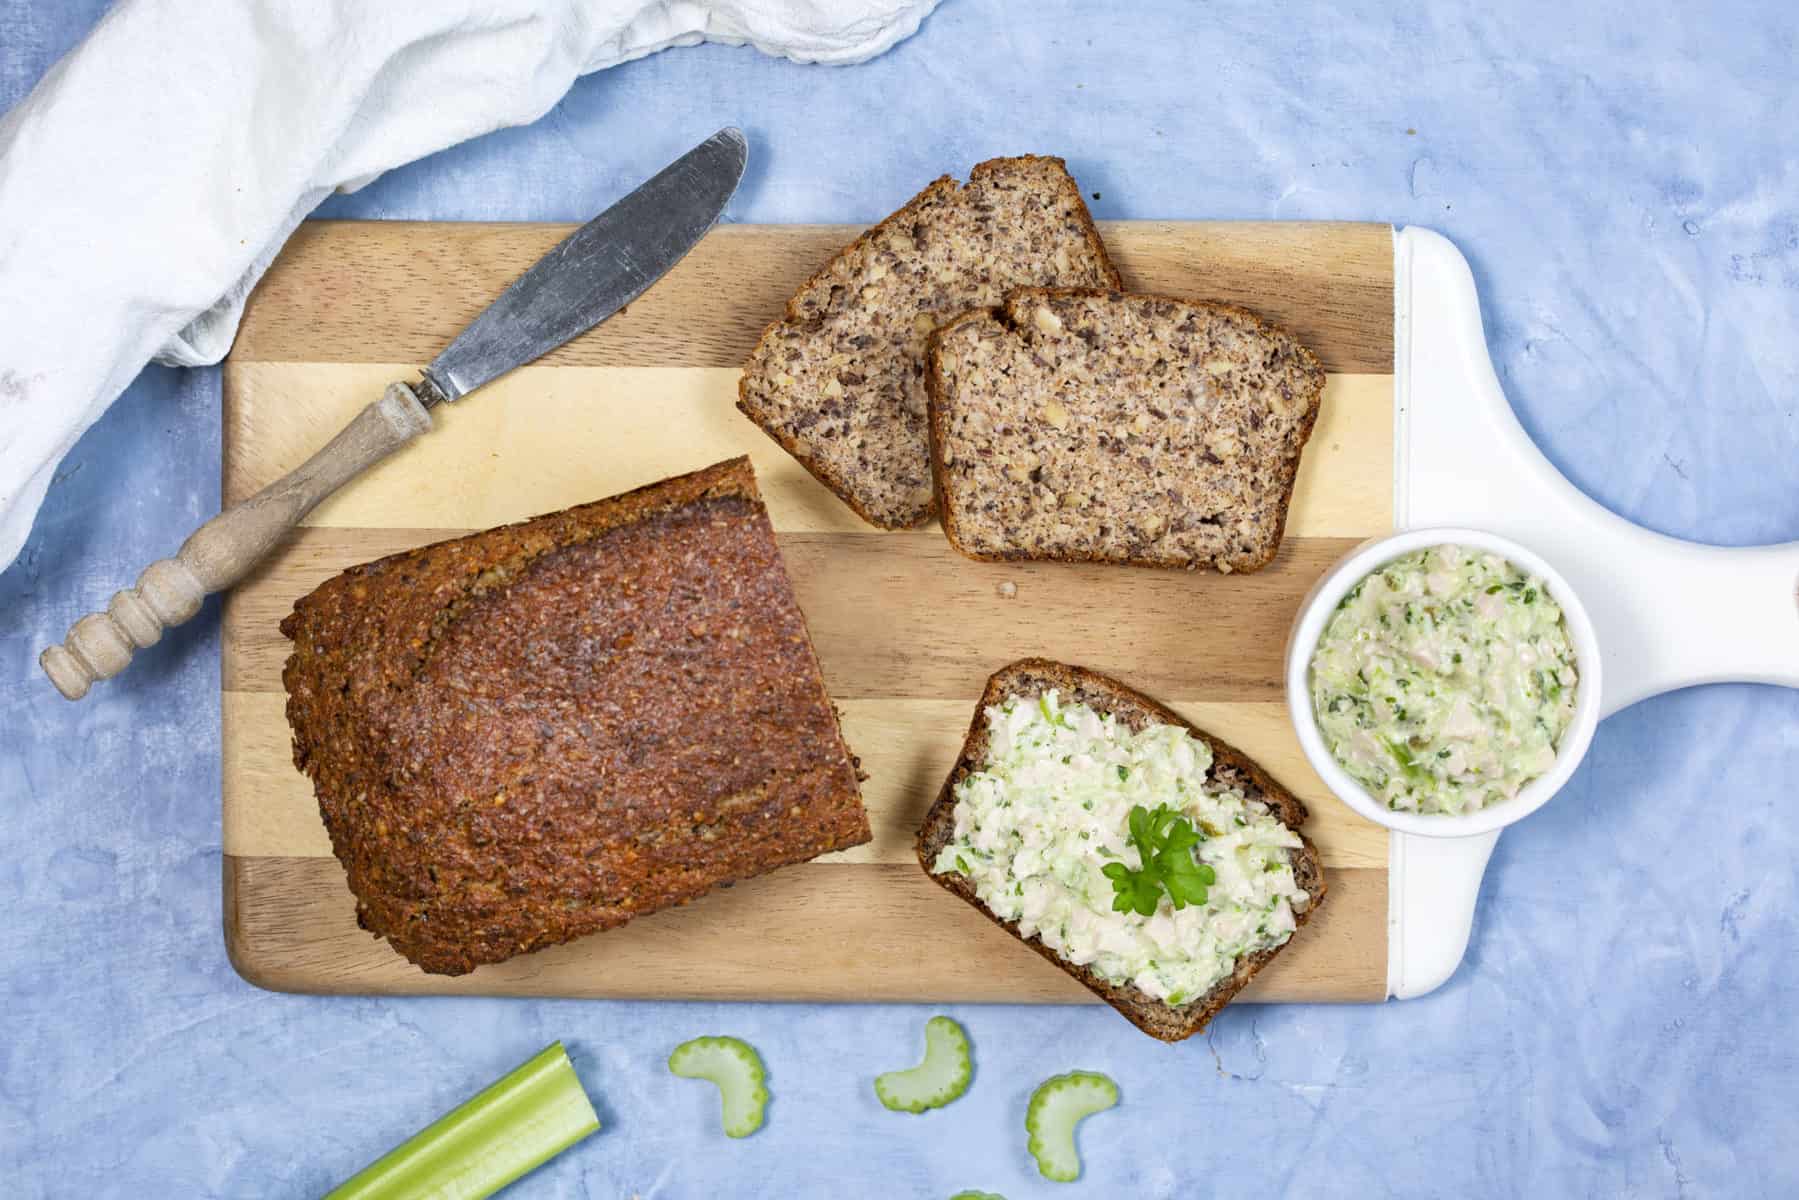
[584, 279]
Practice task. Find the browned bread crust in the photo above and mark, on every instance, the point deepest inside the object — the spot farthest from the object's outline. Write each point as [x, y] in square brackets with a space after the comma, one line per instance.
[838, 379]
[1230, 768]
[528, 734]
[1213, 472]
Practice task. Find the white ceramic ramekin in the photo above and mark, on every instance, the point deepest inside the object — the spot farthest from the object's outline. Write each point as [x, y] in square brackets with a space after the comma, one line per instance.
[1322, 601]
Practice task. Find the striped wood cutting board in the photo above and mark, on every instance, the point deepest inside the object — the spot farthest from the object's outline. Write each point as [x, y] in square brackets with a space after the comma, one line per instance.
[907, 631]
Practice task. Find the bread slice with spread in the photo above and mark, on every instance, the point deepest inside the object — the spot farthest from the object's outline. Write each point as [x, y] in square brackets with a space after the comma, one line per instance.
[1038, 827]
[1105, 427]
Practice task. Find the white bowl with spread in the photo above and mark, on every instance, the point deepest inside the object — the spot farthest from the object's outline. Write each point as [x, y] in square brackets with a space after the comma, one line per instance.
[1321, 604]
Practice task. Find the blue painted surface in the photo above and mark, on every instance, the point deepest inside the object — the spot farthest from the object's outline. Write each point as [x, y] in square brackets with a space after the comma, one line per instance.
[1624, 180]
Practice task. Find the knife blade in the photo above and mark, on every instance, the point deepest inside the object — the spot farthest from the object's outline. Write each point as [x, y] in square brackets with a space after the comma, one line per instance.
[584, 279]
[596, 270]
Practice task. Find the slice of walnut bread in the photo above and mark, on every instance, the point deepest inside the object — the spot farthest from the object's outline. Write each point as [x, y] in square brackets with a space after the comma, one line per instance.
[1102, 427]
[839, 380]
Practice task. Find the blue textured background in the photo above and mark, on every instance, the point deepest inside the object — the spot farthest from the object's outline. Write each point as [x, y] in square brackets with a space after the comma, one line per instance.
[1624, 179]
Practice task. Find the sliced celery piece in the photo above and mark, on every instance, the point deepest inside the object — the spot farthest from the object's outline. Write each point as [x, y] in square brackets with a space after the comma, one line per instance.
[943, 1075]
[514, 1126]
[736, 1068]
[1057, 1106]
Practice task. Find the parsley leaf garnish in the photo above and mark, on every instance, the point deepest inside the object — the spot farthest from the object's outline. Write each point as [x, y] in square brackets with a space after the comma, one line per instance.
[1164, 840]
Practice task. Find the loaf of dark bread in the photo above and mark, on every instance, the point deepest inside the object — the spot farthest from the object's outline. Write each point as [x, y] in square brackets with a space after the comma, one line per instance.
[1103, 427]
[525, 735]
[839, 380]
[1231, 769]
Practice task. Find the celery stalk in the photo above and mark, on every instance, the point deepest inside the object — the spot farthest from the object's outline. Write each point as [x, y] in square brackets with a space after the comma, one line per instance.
[511, 1127]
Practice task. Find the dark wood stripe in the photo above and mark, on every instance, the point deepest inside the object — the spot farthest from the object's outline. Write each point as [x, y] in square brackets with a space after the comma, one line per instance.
[390, 291]
[829, 932]
[902, 614]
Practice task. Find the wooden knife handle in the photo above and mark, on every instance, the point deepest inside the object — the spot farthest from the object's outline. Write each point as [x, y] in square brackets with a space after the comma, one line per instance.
[223, 550]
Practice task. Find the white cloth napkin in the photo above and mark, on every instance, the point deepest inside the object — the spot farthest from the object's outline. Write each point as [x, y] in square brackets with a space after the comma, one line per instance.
[150, 177]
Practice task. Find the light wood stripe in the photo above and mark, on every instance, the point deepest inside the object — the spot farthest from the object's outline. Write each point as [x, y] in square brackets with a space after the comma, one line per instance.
[384, 291]
[906, 748]
[903, 615]
[864, 932]
[542, 439]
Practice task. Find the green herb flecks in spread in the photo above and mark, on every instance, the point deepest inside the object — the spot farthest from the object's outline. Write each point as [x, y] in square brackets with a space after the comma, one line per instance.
[1044, 831]
[1445, 681]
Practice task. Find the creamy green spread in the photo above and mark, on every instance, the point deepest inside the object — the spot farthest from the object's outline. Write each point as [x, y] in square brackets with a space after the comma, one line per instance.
[1444, 681]
[1037, 824]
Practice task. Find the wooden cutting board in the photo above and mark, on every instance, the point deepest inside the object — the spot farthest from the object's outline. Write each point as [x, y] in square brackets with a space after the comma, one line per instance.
[907, 631]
